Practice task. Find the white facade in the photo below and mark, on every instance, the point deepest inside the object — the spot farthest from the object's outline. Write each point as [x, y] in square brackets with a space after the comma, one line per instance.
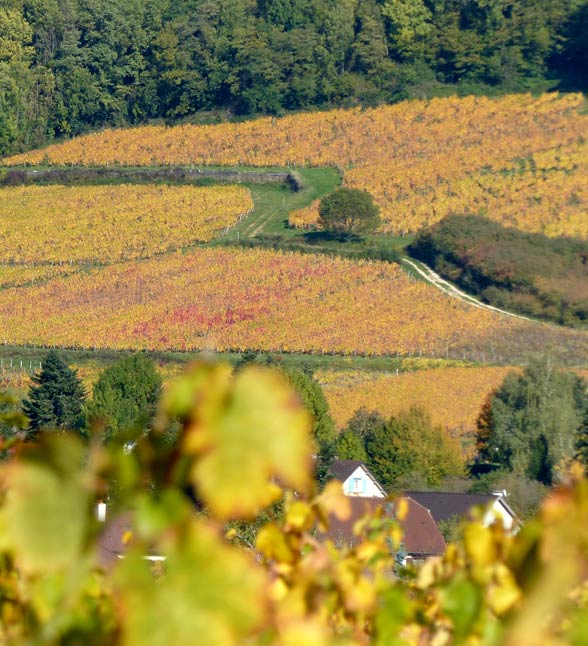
[361, 484]
[499, 510]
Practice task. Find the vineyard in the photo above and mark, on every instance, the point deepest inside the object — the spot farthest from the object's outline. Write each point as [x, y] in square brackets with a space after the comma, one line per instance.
[224, 299]
[520, 159]
[453, 396]
[49, 224]
[235, 299]
[17, 275]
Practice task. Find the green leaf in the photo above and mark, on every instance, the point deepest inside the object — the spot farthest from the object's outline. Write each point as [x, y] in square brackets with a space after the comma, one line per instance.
[43, 520]
[394, 612]
[245, 433]
[461, 600]
[209, 594]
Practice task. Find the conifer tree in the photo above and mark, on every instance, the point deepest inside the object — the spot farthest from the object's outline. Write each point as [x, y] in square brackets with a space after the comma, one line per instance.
[56, 397]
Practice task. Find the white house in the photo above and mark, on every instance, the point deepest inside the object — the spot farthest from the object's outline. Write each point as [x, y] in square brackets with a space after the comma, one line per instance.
[357, 479]
[444, 506]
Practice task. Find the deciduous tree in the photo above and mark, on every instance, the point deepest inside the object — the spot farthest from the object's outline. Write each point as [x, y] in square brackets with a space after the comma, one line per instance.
[532, 424]
[126, 395]
[349, 211]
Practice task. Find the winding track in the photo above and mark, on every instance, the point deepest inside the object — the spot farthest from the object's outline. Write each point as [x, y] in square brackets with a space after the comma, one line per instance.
[447, 288]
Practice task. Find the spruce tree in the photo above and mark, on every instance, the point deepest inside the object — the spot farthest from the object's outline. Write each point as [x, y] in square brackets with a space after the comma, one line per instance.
[55, 398]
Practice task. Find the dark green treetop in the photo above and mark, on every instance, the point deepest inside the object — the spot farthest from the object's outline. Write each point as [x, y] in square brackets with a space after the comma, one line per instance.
[56, 397]
[323, 427]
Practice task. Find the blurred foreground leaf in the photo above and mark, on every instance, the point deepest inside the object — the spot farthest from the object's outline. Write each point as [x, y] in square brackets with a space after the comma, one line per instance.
[247, 432]
[45, 514]
[210, 593]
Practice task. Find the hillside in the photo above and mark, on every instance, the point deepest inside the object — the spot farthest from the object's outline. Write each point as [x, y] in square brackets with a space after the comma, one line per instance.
[523, 272]
[192, 364]
[519, 159]
[101, 224]
[419, 158]
[221, 299]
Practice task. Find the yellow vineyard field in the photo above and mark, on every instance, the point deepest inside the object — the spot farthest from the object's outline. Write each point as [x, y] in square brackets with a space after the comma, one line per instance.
[223, 299]
[453, 396]
[420, 159]
[40, 224]
[17, 275]
[545, 193]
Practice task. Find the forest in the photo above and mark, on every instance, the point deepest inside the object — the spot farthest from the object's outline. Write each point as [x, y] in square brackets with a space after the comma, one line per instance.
[72, 66]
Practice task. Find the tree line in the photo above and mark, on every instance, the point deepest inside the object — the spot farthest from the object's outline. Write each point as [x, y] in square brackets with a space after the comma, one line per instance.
[69, 66]
[529, 431]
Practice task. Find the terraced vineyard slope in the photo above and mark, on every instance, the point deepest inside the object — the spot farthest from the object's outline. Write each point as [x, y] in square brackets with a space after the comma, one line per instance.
[521, 159]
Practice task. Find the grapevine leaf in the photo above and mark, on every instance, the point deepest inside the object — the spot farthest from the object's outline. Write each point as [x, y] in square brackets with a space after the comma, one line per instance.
[43, 519]
[210, 593]
[244, 431]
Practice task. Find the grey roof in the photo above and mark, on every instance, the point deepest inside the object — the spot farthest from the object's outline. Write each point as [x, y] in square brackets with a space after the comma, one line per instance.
[445, 505]
[342, 469]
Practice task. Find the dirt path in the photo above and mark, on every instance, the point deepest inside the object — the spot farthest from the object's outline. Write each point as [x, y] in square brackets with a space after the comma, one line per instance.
[447, 288]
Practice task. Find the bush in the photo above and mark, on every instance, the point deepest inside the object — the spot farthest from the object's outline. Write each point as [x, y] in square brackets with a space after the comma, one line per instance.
[524, 272]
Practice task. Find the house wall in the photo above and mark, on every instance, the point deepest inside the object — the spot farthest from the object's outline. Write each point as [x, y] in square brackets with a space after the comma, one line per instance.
[498, 511]
[360, 484]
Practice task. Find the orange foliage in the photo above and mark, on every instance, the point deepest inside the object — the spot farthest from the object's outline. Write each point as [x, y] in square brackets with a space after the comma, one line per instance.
[453, 396]
[17, 275]
[306, 217]
[420, 159]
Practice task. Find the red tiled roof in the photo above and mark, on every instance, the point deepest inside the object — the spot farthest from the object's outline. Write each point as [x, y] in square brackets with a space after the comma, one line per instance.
[110, 543]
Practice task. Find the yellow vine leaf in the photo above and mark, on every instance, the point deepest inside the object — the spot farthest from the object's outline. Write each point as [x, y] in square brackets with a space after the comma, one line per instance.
[246, 432]
[504, 592]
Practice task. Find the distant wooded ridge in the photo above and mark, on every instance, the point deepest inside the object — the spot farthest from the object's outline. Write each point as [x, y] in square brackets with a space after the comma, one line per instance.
[71, 67]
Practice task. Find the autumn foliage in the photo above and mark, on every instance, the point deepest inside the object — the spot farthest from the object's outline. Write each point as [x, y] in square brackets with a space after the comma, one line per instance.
[233, 299]
[452, 395]
[490, 588]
